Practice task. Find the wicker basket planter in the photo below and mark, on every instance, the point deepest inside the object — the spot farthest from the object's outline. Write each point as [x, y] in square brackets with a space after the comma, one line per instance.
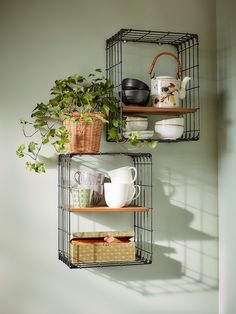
[85, 137]
[92, 247]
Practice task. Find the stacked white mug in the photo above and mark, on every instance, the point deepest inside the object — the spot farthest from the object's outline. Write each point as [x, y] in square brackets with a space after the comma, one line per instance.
[121, 190]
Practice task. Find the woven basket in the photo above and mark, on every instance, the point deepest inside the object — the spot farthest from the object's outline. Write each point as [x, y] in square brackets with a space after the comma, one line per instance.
[90, 247]
[84, 137]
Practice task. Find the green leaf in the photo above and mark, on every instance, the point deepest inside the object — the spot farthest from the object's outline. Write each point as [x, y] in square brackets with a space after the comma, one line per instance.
[52, 133]
[23, 121]
[41, 107]
[20, 151]
[45, 140]
[31, 147]
[152, 144]
[102, 118]
[59, 147]
[80, 78]
[98, 70]
[113, 134]
[88, 119]
[30, 165]
[53, 102]
[106, 109]
[39, 123]
[38, 167]
[115, 123]
[133, 140]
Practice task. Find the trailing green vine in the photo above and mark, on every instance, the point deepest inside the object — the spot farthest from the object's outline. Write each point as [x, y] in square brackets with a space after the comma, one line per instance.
[74, 94]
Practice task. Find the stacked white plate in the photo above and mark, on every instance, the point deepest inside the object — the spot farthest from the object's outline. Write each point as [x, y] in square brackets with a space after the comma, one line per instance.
[137, 125]
[141, 135]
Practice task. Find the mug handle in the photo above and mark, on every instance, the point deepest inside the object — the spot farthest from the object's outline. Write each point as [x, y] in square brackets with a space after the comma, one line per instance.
[132, 197]
[77, 176]
[139, 191]
[135, 173]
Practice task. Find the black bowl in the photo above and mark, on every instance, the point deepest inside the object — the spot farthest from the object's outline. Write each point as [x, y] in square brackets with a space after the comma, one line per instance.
[131, 84]
[135, 97]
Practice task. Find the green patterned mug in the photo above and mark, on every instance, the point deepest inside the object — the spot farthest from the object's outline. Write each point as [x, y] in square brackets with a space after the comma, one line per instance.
[82, 196]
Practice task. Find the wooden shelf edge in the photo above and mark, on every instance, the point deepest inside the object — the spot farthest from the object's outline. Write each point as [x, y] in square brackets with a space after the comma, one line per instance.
[157, 110]
[109, 209]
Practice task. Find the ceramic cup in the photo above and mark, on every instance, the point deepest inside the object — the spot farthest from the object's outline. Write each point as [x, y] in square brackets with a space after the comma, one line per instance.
[82, 196]
[116, 194]
[123, 175]
[85, 177]
[97, 193]
[92, 179]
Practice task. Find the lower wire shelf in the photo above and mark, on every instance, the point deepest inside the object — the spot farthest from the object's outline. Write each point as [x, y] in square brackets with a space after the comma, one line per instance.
[72, 220]
[138, 261]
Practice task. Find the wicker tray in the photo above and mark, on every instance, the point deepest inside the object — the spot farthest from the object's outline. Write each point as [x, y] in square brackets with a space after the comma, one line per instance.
[92, 247]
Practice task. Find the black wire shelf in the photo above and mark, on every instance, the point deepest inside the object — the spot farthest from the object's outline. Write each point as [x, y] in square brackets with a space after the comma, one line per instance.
[140, 210]
[186, 46]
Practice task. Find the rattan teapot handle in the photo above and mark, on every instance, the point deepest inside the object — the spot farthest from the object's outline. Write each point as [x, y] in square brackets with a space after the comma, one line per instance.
[166, 53]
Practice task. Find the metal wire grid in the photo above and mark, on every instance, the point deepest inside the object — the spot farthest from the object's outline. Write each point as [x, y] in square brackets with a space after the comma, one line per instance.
[150, 36]
[188, 54]
[187, 50]
[142, 220]
[64, 233]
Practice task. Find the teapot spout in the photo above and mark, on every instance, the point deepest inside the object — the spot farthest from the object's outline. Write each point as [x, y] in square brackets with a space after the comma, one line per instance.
[182, 91]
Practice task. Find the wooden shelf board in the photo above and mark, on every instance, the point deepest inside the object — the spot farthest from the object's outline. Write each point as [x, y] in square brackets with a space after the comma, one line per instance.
[109, 209]
[157, 110]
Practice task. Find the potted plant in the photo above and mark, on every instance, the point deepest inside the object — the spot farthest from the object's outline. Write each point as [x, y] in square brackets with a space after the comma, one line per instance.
[72, 120]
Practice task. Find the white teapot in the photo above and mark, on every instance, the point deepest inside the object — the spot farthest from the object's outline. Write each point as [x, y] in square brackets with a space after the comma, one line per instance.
[166, 90]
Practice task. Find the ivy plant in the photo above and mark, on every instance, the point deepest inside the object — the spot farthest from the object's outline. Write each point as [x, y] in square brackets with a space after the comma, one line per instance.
[74, 94]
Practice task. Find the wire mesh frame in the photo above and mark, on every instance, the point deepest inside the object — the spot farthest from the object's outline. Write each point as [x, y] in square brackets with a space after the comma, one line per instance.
[187, 50]
[142, 221]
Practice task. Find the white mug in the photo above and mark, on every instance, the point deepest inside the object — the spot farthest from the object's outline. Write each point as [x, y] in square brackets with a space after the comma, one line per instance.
[123, 175]
[133, 193]
[116, 194]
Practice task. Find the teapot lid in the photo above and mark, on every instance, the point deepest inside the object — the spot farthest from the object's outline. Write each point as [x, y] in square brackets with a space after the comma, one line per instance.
[166, 77]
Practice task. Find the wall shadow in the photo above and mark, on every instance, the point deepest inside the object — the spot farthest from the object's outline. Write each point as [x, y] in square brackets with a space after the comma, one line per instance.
[179, 255]
[164, 276]
[144, 278]
[184, 253]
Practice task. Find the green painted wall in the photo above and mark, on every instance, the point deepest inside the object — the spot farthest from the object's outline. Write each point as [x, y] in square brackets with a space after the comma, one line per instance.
[226, 51]
[45, 40]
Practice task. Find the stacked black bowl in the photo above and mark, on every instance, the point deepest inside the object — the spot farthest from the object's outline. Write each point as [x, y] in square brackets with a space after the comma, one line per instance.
[135, 92]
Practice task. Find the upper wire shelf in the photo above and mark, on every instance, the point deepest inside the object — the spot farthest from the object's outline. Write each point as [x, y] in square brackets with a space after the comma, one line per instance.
[149, 36]
[186, 47]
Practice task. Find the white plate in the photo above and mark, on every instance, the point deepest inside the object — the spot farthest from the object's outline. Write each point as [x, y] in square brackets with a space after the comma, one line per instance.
[141, 135]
